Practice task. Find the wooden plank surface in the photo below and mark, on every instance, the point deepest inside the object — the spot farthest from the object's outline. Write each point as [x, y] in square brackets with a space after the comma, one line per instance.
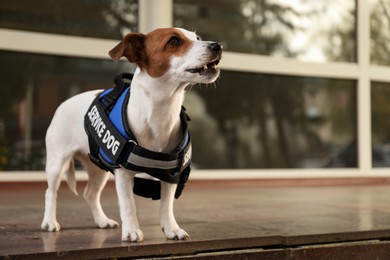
[219, 220]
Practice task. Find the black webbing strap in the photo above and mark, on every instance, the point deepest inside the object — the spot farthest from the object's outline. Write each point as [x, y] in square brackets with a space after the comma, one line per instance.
[147, 188]
[122, 81]
[151, 189]
[183, 180]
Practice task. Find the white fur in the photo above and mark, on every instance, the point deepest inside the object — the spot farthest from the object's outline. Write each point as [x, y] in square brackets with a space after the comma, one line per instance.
[153, 115]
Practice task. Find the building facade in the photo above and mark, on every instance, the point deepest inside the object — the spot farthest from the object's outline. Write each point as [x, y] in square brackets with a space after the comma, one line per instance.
[304, 88]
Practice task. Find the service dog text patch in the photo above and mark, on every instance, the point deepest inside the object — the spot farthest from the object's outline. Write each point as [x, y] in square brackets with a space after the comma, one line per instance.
[108, 138]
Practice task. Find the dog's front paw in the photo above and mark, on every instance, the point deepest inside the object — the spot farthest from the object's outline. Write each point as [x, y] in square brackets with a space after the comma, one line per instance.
[134, 236]
[176, 234]
[51, 226]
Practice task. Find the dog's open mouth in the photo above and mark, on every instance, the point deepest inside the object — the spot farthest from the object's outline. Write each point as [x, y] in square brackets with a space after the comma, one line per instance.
[209, 67]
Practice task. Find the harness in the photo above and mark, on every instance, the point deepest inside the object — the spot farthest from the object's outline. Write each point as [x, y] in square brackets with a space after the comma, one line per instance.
[112, 144]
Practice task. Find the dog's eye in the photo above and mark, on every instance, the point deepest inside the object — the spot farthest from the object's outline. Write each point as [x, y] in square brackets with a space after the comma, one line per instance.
[174, 40]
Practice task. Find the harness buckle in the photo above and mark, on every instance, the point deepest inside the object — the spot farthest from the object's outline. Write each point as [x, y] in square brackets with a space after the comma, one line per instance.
[129, 151]
[133, 142]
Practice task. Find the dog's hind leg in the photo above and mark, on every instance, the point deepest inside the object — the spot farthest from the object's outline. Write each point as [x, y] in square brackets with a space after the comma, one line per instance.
[54, 170]
[96, 182]
[167, 219]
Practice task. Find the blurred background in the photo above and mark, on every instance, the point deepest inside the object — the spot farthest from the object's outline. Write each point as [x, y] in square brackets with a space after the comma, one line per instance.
[304, 84]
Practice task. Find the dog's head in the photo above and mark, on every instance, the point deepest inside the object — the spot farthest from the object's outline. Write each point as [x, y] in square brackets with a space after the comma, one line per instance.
[175, 52]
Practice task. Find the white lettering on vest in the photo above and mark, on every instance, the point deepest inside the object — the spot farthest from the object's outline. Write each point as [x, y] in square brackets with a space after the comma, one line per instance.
[187, 156]
[110, 142]
[100, 127]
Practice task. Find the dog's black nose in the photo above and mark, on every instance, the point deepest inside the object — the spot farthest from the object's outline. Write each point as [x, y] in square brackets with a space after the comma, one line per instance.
[215, 47]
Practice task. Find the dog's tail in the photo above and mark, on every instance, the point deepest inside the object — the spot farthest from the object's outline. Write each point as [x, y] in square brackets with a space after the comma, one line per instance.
[71, 177]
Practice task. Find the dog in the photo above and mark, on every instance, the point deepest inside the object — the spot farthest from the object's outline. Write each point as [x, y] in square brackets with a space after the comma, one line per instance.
[168, 61]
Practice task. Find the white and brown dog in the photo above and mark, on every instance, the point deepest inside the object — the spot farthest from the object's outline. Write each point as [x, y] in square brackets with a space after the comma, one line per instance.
[168, 60]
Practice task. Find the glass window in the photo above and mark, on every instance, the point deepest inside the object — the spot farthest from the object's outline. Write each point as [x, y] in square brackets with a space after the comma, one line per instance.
[246, 120]
[29, 97]
[100, 18]
[380, 122]
[380, 32]
[306, 30]
[252, 120]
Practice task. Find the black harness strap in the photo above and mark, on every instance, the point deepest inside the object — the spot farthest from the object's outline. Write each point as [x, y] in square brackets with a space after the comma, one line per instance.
[122, 81]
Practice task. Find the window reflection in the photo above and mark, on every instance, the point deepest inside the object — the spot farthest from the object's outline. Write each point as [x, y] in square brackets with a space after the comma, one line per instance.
[101, 19]
[264, 121]
[245, 120]
[307, 30]
[380, 32]
[29, 97]
[380, 120]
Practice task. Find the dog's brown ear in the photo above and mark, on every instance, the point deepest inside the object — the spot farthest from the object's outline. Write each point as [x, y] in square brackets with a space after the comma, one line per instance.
[132, 47]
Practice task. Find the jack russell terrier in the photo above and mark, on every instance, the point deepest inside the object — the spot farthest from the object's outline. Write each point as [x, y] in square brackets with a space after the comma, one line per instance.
[168, 61]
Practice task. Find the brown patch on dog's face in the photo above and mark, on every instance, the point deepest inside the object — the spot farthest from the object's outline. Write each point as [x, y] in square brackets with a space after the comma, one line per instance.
[152, 52]
[132, 47]
[161, 46]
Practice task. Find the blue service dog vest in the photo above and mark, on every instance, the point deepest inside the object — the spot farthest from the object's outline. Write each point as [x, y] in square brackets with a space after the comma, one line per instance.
[112, 144]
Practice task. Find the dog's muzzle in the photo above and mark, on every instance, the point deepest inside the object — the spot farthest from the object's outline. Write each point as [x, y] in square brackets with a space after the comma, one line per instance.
[210, 67]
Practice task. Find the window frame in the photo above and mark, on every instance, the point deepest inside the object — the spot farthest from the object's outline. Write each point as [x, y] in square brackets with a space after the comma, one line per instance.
[153, 14]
